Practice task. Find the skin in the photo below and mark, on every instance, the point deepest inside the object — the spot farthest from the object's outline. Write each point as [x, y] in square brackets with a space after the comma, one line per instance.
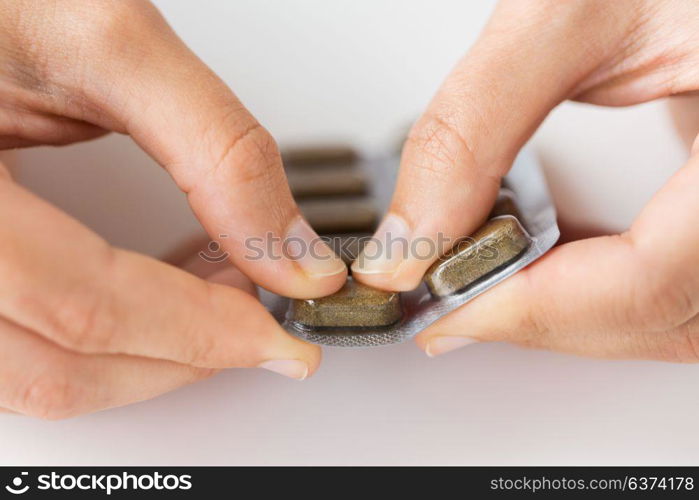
[78, 328]
[85, 326]
[631, 295]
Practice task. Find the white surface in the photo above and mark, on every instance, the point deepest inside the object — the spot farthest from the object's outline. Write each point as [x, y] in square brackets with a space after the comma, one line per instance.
[490, 404]
[360, 71]
[604, 164]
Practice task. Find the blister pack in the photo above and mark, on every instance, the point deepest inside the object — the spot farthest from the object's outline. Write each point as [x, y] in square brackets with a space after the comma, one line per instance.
[520, 229]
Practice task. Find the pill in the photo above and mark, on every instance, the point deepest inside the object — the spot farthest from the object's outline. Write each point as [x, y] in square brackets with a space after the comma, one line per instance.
[348, 246]
[340, 215]
[331, 154]
[494, 245]
[328, 181]
[353, 306]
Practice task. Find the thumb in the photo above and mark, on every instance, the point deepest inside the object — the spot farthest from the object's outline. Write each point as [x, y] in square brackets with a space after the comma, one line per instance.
[156, 90]
[456, 154]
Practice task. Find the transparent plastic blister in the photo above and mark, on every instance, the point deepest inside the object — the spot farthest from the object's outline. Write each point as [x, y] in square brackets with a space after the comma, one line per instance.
[535, 221]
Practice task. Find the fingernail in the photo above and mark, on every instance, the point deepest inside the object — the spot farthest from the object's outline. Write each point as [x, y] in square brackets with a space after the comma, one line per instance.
[291, 368]
[312, 254]
[444, 344]
[389, 247]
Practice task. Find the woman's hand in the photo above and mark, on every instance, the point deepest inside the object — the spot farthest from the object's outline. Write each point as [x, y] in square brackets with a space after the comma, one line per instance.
[84, 326]
[632, 295]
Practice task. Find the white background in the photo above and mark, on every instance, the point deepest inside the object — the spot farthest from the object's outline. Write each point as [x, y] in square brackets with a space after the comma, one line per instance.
[361, 71]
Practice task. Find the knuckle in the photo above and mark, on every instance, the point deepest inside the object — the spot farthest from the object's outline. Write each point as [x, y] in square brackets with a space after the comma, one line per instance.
[533, 327]
[664, 302]
[84, 320]
[659, 295]
[78, 324]
[252, 152]
[679, 345]
[50, 396]
[203, 350]
[213, 349]
[533, 330]
[249, 157]
[688, 343]
[441, 144]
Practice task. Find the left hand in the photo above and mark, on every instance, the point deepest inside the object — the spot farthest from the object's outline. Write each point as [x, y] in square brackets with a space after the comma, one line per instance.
[633, 295]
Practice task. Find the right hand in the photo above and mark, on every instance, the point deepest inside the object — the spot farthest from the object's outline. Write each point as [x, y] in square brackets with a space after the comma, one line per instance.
[85, 326]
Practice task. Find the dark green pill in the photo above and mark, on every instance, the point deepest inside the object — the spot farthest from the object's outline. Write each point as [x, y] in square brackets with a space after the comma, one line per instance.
[497, 243]
[353, 306]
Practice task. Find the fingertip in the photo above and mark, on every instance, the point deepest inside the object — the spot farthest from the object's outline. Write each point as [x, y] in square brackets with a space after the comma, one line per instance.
[313, 359]
[421, 341]
[298, 361]
[291, 368]
[308, 267]
[502, 313]
[309, 252]
[403, 280]
[423, 338]
[330, 284]
[278, 344]
[386, 260]
[302, 286]
[282, 274]
[448, 333]
[443, 344]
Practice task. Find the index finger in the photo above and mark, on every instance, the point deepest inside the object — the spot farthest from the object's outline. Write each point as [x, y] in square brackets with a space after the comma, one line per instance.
[131, 73]
[61, 281]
